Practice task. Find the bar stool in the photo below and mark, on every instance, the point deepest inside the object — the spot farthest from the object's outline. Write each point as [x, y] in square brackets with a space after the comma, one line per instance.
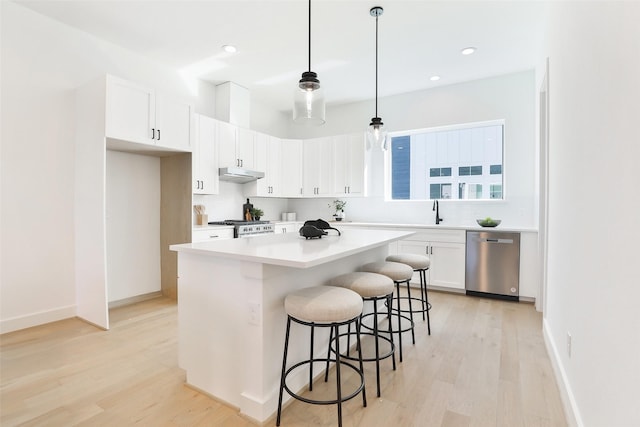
[399, 273]
[420, 264]
[322, 306]
[371, 287]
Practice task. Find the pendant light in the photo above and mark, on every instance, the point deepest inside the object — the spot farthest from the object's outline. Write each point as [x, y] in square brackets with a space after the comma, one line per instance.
[376, 134]
[308, 101]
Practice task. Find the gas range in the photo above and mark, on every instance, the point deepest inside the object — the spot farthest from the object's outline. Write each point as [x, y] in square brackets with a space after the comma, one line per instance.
[247, 228]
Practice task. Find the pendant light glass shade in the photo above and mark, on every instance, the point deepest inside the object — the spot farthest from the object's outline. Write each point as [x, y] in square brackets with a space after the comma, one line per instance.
[376, 134]
[308, 99]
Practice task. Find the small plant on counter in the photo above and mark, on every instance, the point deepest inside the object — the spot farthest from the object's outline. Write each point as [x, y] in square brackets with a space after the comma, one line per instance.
[338, 206]
[256, 214]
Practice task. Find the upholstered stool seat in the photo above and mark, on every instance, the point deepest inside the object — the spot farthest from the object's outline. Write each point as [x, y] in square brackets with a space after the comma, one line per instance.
[322, 306]
[371, 287]
[415, 261]
[399, 273]
[420, 264]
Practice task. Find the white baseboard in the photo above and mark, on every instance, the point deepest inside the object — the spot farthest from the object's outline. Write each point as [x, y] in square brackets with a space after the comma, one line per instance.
[569, 404]
[36, 319]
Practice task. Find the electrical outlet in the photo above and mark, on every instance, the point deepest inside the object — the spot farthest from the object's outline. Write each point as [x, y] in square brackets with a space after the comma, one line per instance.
[254, 313]
[569, 344]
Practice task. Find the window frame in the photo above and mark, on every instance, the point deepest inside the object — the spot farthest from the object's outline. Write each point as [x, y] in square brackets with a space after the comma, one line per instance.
[470, 125]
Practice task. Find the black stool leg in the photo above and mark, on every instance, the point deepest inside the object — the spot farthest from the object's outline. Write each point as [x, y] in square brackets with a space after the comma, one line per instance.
[326, 370]
[339, 386]
[423, 292]
[375, 337]
[413, 334]
[311, 358]
[399, 321]
[389, 302]
[364, 390]
[426, 299]
[284, 367]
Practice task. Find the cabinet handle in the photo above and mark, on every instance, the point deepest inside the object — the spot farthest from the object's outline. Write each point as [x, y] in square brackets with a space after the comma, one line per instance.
[158, 134]
[213, 236]
[153, 133]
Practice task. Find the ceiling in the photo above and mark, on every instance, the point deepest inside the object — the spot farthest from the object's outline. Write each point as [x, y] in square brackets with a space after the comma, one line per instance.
[417, 39]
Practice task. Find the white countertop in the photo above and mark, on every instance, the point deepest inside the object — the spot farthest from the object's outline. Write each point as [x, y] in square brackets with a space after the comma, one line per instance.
[292, 250]
[474, 227]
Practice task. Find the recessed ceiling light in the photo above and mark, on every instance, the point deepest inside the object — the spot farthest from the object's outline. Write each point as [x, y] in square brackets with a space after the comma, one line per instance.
[468, 50]
[229, 48]
[434, 78]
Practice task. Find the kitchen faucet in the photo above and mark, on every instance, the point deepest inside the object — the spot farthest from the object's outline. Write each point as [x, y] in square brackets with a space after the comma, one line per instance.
[436, 207]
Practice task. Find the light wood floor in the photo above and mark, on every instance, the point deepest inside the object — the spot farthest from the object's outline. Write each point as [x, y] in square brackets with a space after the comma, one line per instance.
[485, 364]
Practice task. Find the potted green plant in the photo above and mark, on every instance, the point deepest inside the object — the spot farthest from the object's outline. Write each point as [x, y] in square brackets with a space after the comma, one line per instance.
[338, 206]
[256, 213]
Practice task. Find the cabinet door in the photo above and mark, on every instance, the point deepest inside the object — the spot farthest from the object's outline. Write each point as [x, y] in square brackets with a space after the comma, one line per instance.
[130, 111]
[226, 142]
[348, 165]
[173, 124]
[272, 171]
[447, 264]
[341, 153]
[355, 178]
[261, 151]
[414, 247]
[291, 167]
[245, 148]
[204, 162]
[318, 167]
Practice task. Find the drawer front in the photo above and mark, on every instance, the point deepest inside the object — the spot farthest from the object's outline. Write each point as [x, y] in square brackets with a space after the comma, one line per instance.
[211, 234]
[451, 236]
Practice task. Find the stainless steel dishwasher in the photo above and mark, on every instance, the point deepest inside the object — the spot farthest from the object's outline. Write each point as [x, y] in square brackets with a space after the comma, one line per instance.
[492, 264]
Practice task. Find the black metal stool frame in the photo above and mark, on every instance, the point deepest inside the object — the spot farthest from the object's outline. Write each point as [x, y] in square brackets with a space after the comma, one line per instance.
[398, 311]
[338, 362]
[374, 333]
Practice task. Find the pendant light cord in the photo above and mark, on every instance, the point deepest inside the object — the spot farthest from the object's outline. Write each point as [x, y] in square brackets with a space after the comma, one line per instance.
[376, 65]
[309, 35]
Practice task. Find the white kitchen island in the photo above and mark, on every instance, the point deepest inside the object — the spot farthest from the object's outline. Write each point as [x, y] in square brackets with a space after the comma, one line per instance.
[231, 308]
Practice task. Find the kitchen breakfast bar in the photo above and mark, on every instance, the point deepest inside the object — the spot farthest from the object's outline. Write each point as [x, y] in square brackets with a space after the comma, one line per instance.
[231, 318]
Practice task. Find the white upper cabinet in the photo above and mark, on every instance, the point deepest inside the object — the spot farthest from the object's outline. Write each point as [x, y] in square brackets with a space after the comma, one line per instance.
[245, 148]
[318, 167]
[348, 163]
[138, 114]
[267, 160]
[236, 146]
[173, 123]
[291, 167]
[226, 142]
[204, 164]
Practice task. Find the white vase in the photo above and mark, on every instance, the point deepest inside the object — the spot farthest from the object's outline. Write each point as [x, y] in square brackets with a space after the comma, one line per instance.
[340, 216]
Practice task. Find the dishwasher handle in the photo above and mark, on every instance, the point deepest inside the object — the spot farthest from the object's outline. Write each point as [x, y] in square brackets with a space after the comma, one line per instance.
[503, 241]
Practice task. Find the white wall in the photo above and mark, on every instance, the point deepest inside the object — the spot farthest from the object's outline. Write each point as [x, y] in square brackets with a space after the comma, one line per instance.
[510, 97]
[42, 63]
[594, 208]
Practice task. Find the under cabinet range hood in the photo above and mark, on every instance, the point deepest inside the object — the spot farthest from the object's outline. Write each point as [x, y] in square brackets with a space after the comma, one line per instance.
[239, 175]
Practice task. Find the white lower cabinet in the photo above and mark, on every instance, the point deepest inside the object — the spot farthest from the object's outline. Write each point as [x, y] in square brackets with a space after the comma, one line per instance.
[287, 227]
[446, 251]
[212, 233]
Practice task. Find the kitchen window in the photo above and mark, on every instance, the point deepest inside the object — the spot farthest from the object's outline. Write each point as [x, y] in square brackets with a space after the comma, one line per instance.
[454, 162]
